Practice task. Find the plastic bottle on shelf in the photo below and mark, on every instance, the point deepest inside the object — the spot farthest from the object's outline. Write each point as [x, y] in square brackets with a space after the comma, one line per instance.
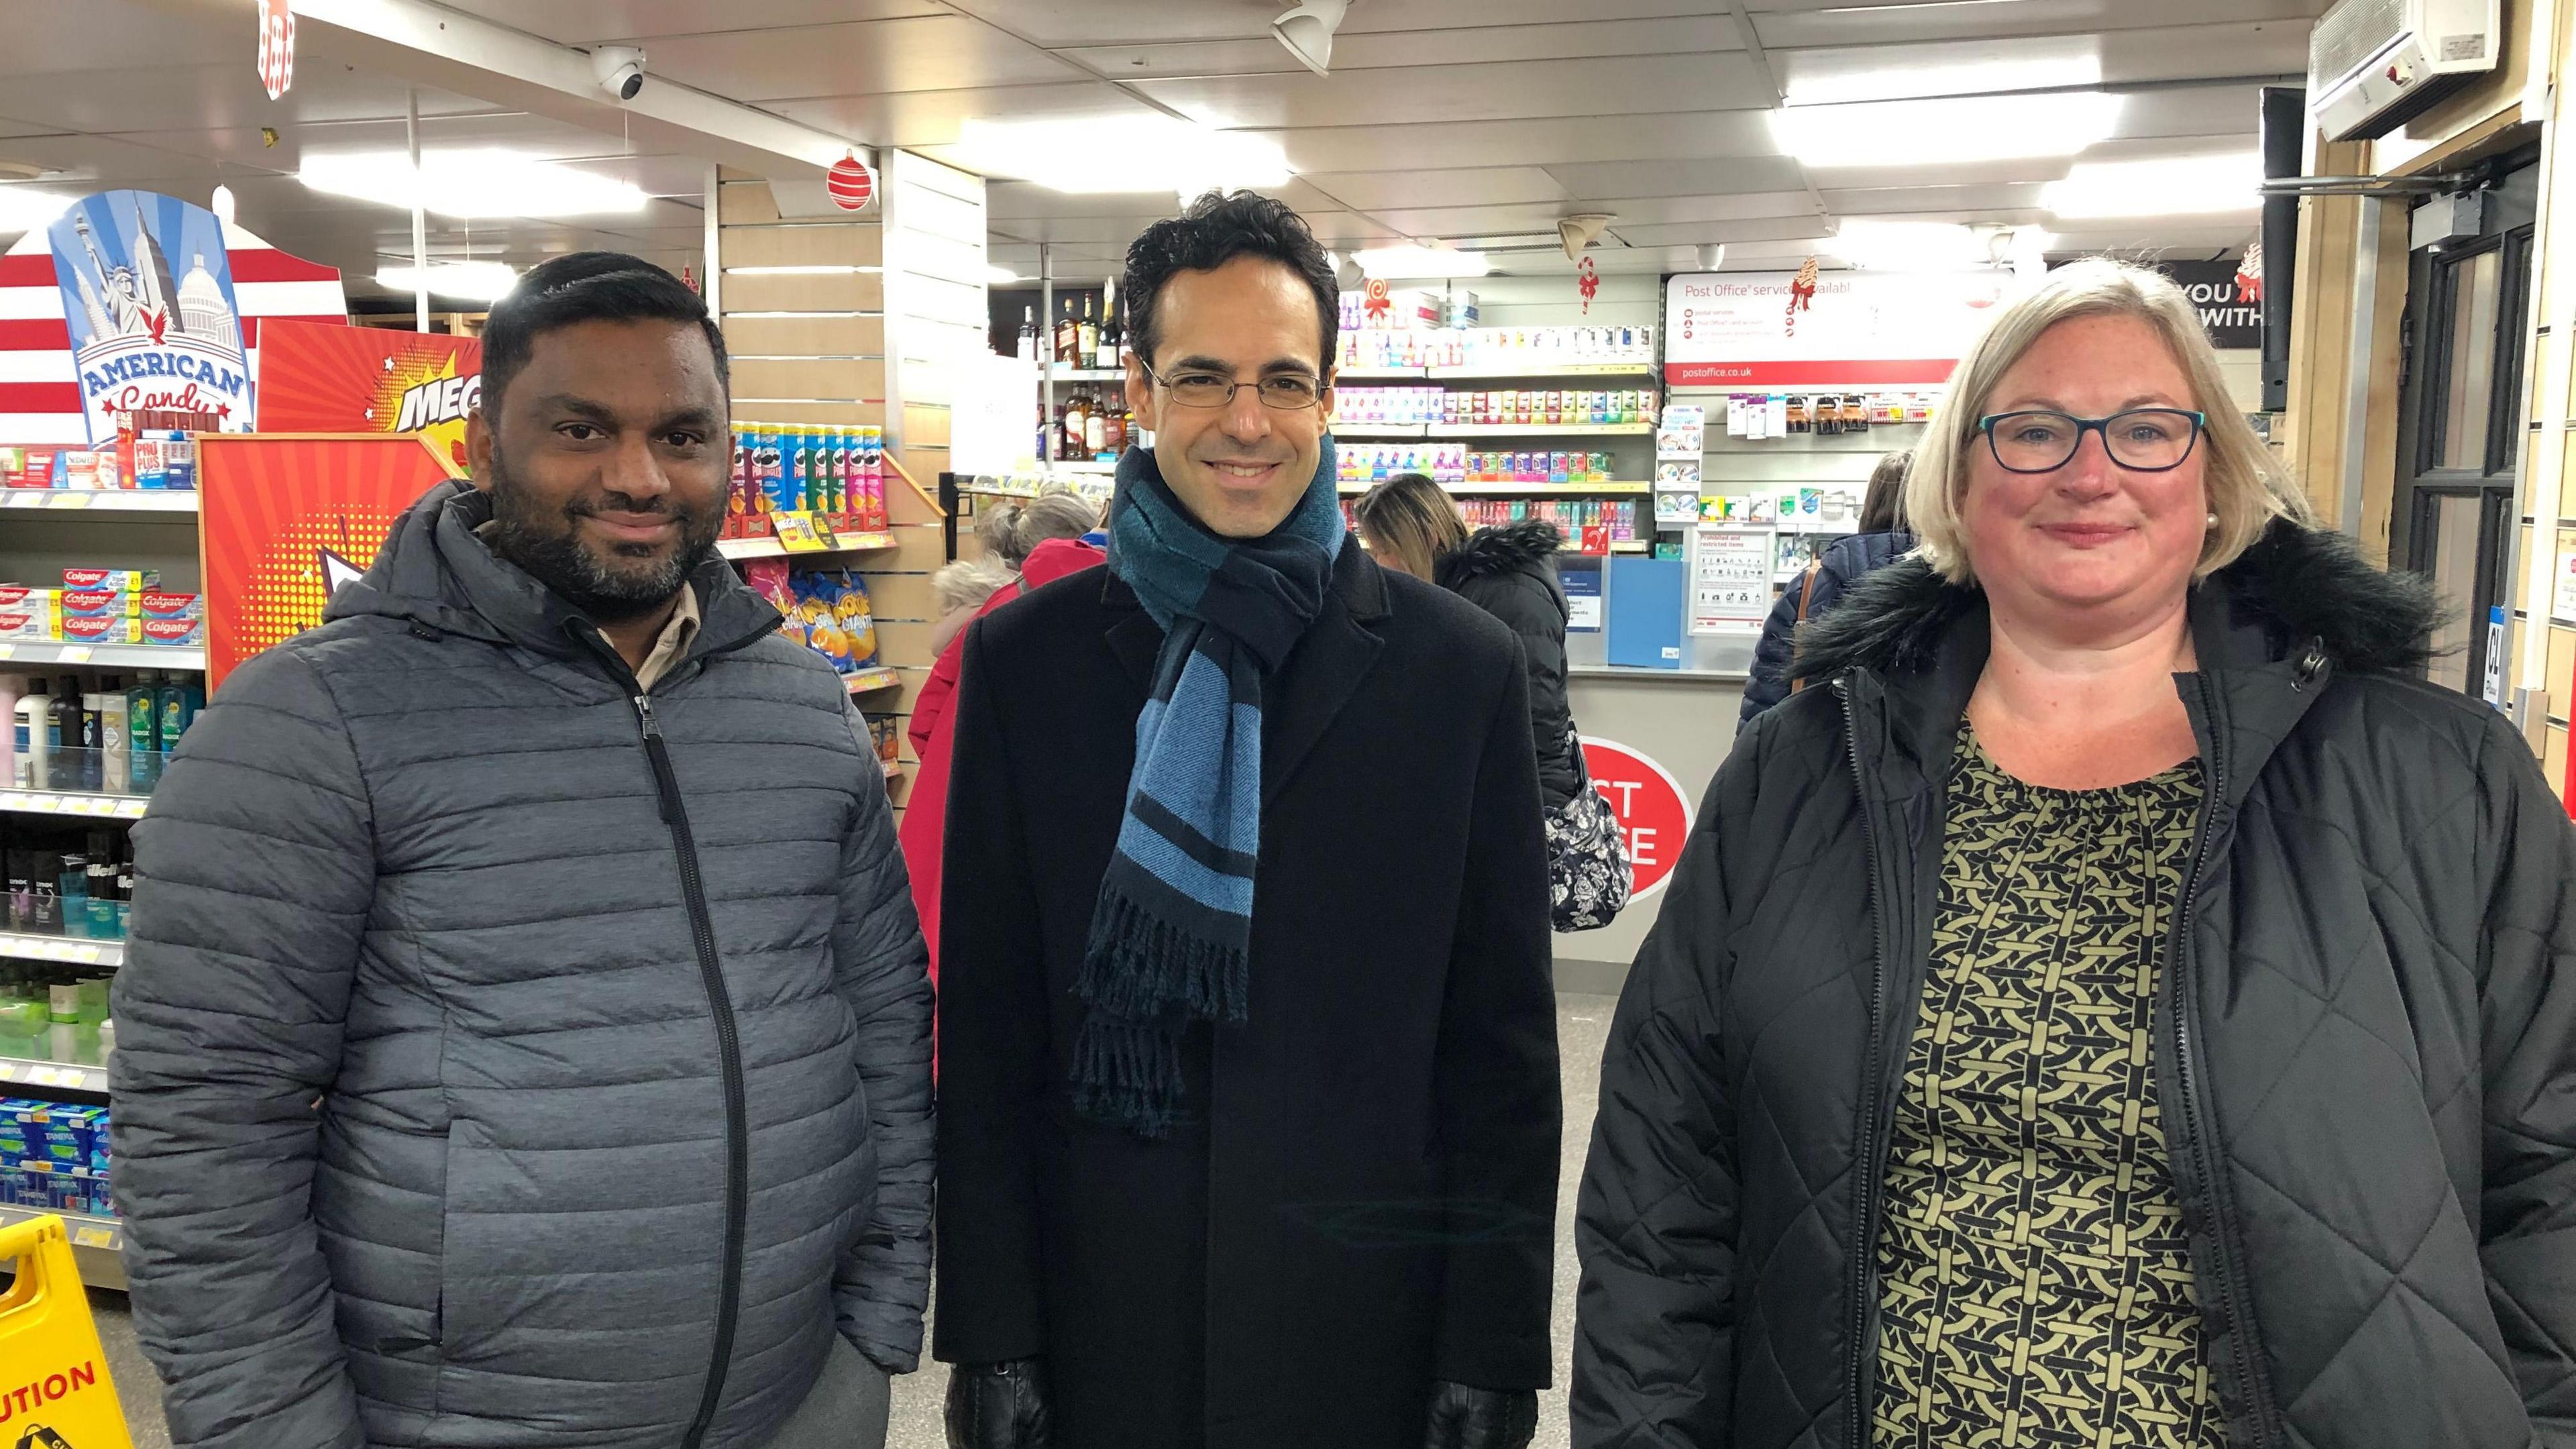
[13, 731]
[114, 758]
[143, 731]
[65, 732]
[177, 709]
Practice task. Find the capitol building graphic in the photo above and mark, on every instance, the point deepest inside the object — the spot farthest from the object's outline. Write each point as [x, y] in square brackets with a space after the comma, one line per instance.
[136, 299]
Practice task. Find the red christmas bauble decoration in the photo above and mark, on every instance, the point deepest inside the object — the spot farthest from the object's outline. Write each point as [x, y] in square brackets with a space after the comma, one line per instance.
[850, 183]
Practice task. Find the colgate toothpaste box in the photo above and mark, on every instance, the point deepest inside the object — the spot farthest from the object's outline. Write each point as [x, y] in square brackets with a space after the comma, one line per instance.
[157, 605]
[101, 629]
[187, 633]
[72, 603]
[122, 581]
[14, 597]
[34, 625]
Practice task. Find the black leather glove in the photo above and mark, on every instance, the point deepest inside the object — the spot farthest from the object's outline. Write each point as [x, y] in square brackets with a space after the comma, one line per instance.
[1465, 1418]
[998, 1405]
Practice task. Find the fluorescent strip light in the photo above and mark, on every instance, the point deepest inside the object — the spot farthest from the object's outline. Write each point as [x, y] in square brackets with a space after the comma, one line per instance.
[1909, 246]
[1940, 132]
[470, 183]
[1119, 154]
[2165, 186]
[474, 281]
[1420, 263]
[1976, 78]
[25, 209]
[1000, 276]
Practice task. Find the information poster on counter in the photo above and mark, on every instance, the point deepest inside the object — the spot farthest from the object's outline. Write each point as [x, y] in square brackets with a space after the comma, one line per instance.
[1730, 580]
[286, 520]
[1851, 329]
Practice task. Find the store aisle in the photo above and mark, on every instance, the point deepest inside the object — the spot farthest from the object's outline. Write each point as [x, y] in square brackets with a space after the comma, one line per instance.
[1582, 1025]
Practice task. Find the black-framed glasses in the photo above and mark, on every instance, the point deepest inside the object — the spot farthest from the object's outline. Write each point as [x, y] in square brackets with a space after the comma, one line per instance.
[2150, 440]
[1286, 391]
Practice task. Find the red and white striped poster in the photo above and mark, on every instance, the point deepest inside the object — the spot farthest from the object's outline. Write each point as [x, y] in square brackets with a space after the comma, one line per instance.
[141, 294]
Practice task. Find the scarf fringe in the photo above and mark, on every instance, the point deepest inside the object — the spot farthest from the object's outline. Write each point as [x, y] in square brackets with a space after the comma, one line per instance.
[1129, 1076]
[1138, 967]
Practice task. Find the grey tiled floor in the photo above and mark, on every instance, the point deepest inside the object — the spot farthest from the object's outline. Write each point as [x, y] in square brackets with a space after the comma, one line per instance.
[1583, 1024]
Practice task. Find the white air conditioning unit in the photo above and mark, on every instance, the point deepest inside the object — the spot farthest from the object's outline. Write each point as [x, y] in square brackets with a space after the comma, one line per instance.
[2374, 65]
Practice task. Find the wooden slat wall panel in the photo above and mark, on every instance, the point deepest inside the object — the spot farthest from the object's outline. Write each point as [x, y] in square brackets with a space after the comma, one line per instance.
[902, 597]
[818, 379]
[804, 292]
[800, 246]
[749, 337]
[843, 414]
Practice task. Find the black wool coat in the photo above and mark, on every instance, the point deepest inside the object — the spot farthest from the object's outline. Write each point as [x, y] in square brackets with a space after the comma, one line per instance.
[1510, 572]
[1364, 1198]
[2365, 1039]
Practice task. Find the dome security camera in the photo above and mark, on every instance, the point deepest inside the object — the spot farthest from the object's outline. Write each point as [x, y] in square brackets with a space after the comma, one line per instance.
[620, 69]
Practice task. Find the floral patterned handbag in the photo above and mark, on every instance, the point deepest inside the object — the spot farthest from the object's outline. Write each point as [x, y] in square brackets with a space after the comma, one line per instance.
[1588, 877]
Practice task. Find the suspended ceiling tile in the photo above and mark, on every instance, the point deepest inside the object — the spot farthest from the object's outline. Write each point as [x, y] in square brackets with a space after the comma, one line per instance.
[98, 162]
[1026, 200]
[182, 97]
[2017, 171]
[930, 119]
[1729, 175]
[1071, 23]
[1378, 15]
[1480, 186]
[2168, 234]
[1693, 233]
[588, 22]
[1888, 200]
[54, 37]
[1742, 206]
[1509, 90]
[947, 52]
[1687, 135]
[1835, 22]
[2192, 111]
[1354, 50]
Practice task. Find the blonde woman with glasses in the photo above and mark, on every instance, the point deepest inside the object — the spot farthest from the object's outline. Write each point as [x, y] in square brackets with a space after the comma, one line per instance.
[2129, 1007]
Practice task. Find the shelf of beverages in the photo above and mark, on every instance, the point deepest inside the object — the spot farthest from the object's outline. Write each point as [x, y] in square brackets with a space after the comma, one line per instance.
[1088, 348]
[104, 502]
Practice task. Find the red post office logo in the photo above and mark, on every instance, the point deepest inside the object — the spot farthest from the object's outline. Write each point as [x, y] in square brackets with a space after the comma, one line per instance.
[1650, 805]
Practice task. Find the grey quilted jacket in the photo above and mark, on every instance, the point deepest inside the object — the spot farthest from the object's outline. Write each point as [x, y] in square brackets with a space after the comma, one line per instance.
[2365, 1040]
[508, 1060]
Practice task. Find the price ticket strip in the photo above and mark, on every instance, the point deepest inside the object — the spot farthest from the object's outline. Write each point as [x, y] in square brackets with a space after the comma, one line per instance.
[68, 950]
[56, 802]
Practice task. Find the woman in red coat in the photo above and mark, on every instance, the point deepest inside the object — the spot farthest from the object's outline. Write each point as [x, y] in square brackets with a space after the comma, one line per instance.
[1039, 543]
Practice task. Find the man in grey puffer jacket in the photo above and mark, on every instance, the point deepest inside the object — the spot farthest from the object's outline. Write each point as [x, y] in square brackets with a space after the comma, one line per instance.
[525, 1036]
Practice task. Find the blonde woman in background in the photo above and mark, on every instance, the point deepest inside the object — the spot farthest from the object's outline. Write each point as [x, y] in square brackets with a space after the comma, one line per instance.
[2130, 1006]
[1025, 546]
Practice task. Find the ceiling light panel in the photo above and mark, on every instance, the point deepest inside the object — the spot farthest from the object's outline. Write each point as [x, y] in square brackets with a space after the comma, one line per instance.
[1115, 154]
[1934, 132]
[476, 281]
[1835, 77]
[2165, 186]
[1417, 263]
[471, 183]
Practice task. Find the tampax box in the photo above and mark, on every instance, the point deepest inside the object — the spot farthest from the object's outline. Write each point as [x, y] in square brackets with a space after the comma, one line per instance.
[123, 581]
[100, 629]
[187, 633]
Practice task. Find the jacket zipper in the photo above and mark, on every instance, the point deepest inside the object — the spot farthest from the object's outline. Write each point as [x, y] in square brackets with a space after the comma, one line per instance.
[1865, 1133]
[666, 785]
[2185, 1008]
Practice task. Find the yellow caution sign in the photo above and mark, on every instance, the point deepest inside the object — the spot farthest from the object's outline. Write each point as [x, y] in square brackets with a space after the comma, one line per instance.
[55, 1392]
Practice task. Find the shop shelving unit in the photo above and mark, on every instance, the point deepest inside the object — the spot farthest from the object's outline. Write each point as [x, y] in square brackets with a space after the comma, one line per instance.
[62, 950]
[97, 502]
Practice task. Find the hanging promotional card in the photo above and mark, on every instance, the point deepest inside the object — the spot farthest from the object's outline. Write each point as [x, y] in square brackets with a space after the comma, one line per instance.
[1852, 329]
[1739, 416]
[148, 302]
[317, 377]
[2562, 605]
[1730, 580]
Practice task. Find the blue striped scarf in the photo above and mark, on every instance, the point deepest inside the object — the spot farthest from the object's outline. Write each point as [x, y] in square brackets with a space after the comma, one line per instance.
[1172, 931]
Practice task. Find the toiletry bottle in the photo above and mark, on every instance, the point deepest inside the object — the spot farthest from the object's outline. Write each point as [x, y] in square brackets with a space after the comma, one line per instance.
[143, 732]
[112, 736]
[66, 734]
[33, 734]
[71, 884]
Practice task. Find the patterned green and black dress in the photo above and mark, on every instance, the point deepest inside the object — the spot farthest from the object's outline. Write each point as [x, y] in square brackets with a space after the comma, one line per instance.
[2035, 1282]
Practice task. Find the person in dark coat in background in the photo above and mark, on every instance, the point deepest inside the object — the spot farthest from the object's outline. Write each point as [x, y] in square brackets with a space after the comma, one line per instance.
[2131, 1004]
[1882, 540]
[1410, 523]
[1250, 1114]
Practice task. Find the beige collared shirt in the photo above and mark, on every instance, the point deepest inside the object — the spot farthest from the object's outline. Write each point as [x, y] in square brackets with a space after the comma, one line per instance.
[673, 645]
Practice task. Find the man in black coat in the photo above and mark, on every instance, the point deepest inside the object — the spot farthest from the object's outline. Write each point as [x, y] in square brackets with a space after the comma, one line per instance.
[1250, 1115]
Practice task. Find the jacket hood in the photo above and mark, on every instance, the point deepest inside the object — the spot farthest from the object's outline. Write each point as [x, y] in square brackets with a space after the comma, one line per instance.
[2296, 586]
[435, 573]
[1521, 546]
[1058, 557]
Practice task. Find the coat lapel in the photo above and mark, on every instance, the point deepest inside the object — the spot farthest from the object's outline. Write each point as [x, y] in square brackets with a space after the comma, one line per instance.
[1133, 636]
[1324, 670]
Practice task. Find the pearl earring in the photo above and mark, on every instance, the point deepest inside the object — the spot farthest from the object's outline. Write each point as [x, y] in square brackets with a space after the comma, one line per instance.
[2213, 520]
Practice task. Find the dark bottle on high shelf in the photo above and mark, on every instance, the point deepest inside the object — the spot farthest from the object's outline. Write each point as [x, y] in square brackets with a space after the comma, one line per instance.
[67, 730]
[1067, 333]
[1028, 334]
[1086, 341]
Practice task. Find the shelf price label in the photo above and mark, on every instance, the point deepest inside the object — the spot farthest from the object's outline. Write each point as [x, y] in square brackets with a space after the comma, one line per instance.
[802, 533]
[93, 1237]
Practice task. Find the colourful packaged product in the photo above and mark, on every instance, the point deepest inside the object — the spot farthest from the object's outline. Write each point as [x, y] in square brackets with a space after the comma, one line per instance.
[179, 461]
[123, 581]
[857, 621]
[182, 633]
[99, 628]
[154, 604]
[88, 602]
[28, 625]
[768, 450]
